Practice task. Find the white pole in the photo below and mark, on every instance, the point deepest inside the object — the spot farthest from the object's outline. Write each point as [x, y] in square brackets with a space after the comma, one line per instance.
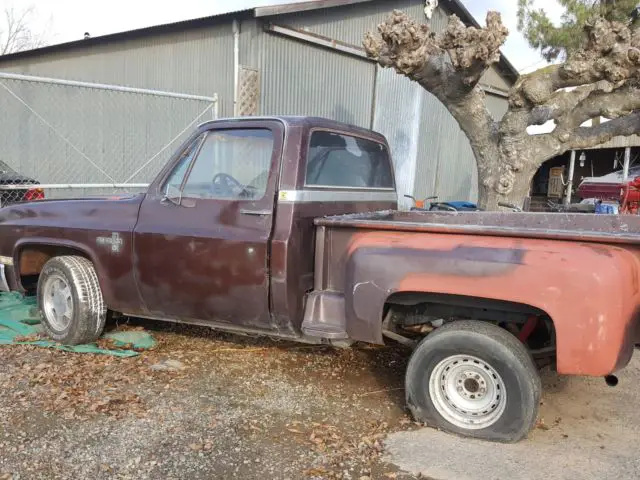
[236, 64]
[627, 161]
[572, 168]
[71, 186]
[101, 86]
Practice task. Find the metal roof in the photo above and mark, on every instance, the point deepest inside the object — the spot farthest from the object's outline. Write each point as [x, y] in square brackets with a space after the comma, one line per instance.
[454, 6]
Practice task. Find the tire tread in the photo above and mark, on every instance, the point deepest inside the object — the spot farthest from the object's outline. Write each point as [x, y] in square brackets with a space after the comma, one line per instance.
[524, 365]
[90, 317]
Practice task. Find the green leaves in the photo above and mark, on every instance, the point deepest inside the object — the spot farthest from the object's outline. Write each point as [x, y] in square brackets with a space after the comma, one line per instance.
[556, 39]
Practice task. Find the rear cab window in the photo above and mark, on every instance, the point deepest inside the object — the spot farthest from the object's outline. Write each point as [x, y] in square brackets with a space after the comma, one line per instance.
[341, 161]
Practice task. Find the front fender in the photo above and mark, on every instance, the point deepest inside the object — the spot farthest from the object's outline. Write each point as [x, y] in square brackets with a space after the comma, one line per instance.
[25, 243]
[590, 291]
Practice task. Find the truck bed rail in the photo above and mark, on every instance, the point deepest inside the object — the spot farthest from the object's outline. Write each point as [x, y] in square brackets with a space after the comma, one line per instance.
[620, 229]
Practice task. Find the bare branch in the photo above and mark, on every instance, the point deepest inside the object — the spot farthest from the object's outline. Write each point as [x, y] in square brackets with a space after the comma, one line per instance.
[17, 35]
[612, 54]
[585, 137]
[600, 103]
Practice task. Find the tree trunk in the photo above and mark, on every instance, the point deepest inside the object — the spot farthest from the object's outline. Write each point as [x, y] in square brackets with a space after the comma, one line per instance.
[493, 190]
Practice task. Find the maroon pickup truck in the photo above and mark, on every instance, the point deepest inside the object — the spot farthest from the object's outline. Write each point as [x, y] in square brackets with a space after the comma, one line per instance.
[288, 227]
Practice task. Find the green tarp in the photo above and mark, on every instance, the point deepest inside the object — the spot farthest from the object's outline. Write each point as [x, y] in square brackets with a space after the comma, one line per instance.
[20, 325]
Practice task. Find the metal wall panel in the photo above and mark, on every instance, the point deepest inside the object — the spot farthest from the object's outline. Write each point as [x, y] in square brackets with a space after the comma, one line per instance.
[349, 23]
[301, 79]
[198, 61]
[398, 117]
[497, 80]
[456, 176]
[446, 165]
[497, 105]
[432, 155]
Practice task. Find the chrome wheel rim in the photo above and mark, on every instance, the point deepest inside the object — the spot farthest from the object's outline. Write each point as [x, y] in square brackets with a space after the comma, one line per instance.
[468, 392]
[57, 302]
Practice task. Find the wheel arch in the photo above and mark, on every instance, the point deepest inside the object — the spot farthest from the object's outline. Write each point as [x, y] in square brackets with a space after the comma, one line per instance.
[31, 254]
[470, 307]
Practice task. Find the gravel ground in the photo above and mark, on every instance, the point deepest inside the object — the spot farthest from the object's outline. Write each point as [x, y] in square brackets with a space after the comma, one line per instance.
[201, 405]
[210, 405]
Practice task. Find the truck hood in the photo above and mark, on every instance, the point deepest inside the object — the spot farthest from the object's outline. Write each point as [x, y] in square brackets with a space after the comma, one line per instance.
[118, 213]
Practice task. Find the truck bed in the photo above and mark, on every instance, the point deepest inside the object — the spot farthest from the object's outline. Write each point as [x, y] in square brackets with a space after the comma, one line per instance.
[622, 229]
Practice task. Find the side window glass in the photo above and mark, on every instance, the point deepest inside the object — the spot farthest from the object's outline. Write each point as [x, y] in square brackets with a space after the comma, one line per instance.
[174, 182]
[232, 164]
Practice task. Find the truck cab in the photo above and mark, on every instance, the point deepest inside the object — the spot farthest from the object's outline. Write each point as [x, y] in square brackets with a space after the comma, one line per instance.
[224, 236]
[225, 233]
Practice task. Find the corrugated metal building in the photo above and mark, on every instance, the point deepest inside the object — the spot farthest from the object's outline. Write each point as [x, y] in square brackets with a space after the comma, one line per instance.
[308, 60]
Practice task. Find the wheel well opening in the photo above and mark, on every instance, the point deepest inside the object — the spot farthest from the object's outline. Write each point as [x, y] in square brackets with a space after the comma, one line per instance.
[32, 258]
[416, 314]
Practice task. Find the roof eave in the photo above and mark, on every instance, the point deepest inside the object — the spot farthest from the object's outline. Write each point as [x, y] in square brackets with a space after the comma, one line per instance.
[297, 7]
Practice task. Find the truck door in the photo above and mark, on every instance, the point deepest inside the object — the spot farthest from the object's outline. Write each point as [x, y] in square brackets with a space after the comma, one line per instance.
[201, 243]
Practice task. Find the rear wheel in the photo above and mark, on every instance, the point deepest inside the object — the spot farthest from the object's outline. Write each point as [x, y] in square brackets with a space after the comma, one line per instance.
[474, 379]
[71, 300]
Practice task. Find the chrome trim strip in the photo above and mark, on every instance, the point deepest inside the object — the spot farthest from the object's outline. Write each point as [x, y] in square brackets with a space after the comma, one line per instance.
[4, 285]
[308, 196]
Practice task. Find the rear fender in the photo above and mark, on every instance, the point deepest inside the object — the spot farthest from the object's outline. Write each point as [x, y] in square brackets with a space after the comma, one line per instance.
[590, 291]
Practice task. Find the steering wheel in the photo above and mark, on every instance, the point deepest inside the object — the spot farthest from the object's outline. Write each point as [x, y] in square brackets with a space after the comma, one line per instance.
[225, 185]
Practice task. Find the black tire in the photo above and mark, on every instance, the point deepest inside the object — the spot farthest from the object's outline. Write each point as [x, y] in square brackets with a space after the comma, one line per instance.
[502, 352]
[89, 313]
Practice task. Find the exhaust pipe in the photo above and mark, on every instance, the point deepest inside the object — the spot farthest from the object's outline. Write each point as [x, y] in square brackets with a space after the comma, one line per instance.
[611, 380]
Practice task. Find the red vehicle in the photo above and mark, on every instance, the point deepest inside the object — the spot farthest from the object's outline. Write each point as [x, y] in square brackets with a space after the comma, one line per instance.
[9, 177]
[264, 226]
[630, 201]
[607, 187]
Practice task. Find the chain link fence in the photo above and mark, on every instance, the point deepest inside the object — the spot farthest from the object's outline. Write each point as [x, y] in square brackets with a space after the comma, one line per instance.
[61, 138]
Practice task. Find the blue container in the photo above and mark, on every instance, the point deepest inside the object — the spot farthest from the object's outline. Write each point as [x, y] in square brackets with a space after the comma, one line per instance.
[604, 209]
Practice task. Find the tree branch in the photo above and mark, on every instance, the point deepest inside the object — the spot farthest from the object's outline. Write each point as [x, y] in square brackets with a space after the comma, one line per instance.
[17, 34]
[585, 137]
[612, 54]
[448, 66]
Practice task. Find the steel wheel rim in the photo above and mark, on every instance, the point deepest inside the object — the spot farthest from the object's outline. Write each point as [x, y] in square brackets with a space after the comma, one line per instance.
[57, 302]
[468, 392]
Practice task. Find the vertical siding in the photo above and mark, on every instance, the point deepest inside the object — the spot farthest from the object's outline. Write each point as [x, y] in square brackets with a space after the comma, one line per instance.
[497, 105]
[197, 61]
[398, 117]
[432, 155]
[495, 79]
[349, 23]
[302, 79]
[456, 175]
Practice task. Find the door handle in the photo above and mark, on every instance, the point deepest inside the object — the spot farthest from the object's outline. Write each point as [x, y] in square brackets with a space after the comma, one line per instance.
[259, 213]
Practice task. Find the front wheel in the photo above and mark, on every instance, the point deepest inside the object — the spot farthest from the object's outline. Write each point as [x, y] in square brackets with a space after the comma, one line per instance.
[71, 300]
[474, 379]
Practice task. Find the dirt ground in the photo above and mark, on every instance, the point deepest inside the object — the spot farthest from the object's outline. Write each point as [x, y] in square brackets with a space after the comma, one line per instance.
[210, 405]
[586, 430]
